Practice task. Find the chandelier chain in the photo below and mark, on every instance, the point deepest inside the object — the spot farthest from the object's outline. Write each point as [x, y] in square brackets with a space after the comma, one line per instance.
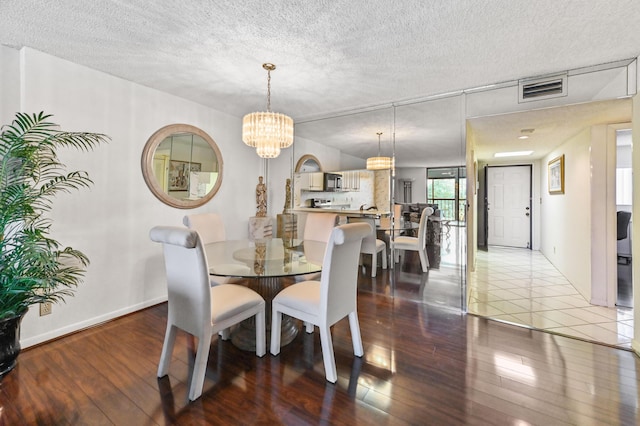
[268, 90]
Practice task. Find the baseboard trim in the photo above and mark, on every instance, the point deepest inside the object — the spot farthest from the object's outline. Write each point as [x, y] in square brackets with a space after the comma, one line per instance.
[92, 322]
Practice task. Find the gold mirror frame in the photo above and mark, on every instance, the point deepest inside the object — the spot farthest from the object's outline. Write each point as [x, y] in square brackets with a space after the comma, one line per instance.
[304, 159]
[147, 165]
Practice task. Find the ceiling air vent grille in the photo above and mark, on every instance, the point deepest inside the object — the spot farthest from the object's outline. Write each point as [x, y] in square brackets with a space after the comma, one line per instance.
[543, 88]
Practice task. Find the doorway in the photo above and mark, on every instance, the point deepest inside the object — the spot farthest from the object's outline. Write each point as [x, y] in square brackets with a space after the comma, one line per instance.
[624, 206]
[508, 206]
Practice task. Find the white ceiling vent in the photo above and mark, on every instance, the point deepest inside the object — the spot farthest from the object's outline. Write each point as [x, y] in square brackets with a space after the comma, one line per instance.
[554, 86]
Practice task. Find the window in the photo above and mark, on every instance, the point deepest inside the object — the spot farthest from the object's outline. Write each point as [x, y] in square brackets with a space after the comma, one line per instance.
[447, 187]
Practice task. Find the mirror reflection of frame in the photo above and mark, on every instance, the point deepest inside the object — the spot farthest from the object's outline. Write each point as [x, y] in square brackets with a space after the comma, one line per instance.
[182, 166]
[308, 163]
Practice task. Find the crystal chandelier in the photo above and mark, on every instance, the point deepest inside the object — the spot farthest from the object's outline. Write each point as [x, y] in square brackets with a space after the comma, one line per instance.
[267, 132]
[379, 163]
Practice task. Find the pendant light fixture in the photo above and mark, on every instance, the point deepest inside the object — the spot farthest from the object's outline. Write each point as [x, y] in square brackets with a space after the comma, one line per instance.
[379, 163]
[267, 132]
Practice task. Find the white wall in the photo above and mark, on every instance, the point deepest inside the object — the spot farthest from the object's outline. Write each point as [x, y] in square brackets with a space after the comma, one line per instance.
[418, 185]
[9, 83]
[110, 222]
[349, 162]
[566, 218]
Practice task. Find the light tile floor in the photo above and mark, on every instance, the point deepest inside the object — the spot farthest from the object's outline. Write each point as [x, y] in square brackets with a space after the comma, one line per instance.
[522, 287]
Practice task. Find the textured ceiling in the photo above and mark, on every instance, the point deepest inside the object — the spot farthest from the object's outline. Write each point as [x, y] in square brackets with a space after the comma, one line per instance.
[331, 55]
[550, 126]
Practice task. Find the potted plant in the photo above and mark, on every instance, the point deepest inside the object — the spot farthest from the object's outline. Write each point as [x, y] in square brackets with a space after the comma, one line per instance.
[34, 267]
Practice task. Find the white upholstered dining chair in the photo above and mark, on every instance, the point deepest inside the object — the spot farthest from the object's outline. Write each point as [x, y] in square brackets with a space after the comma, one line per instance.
[198, 308]
[371, 245]
[208, 225]
[211, 230]
[317, 228]
[404, 242]
[325, 302]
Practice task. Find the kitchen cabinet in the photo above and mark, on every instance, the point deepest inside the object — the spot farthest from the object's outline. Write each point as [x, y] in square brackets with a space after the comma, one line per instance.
[351, 180]
[309, 181]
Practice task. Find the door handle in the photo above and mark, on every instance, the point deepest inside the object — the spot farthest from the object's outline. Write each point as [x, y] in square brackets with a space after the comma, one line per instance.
[527, 214]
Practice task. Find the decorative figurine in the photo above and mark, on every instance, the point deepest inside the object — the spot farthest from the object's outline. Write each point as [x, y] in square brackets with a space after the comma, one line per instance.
[261, 198]
[287, 196]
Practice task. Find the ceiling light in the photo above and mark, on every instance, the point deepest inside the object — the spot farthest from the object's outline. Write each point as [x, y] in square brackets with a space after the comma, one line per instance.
[379, 163]
[267, 132]
[512, 153]
[524, 133]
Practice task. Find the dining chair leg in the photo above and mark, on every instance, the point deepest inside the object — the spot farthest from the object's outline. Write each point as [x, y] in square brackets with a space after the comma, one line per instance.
[167, 350]
[200, 366]
[308, 327]
[356, 338]
[424, 260]
[374, 264]
[225, 334]
[327, 354]
[276, 322]
[384, 258]
[261, 337]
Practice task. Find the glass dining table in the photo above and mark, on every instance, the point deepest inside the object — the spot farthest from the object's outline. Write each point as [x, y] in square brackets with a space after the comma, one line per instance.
[265, 264]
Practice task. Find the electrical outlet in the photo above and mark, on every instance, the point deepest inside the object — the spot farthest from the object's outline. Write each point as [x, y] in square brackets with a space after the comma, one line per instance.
[45, 308]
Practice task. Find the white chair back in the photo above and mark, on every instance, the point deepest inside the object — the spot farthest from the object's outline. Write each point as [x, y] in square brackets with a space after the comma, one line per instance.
[208, 225]
[422, 228]
[318, 226]
[339, 279]
[189, 291]
[397, 213]
[369, 242]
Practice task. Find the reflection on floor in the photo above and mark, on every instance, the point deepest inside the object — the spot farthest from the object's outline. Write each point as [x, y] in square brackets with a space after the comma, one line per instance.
[440, 286]
[516, 286]
[625, 293]
[521, 286]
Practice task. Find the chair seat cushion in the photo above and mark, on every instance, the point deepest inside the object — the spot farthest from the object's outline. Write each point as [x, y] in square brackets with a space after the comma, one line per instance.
[230, 269]
[304, 296]
[228, 300]
[380, 245]
[233, 272]
[404, 241]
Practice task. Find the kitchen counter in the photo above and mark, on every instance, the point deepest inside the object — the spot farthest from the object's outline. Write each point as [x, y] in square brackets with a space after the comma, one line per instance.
[342, 211]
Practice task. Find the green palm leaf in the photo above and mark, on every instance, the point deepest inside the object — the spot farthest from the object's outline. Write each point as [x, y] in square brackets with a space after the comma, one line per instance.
[35, 268]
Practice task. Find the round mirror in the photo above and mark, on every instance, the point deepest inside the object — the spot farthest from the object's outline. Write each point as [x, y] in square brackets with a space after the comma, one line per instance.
[308, 163]
[182, 166]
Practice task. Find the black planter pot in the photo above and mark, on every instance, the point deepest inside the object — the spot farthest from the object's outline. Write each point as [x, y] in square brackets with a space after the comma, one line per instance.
[9, 343]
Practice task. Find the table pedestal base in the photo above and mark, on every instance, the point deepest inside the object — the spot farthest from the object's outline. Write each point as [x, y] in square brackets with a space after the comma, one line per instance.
[244, 336]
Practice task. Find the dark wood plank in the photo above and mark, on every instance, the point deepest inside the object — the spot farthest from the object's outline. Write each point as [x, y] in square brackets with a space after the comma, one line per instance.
[423, 364]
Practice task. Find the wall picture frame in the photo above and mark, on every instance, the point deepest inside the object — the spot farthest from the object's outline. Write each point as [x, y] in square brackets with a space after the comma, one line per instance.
[555, 175]
[179, 174]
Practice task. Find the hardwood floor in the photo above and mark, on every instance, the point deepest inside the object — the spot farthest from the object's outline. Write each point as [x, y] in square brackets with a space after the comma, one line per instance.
[423, 364]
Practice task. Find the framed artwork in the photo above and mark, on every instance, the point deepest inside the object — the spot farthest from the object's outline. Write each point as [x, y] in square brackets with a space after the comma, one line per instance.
[179, 174]
[556, 175]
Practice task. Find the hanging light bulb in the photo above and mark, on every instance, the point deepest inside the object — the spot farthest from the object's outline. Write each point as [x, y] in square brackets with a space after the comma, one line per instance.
[268, 132]
[379, 163]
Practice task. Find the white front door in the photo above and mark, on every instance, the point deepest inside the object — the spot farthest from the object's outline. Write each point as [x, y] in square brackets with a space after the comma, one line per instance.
[509, 206]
